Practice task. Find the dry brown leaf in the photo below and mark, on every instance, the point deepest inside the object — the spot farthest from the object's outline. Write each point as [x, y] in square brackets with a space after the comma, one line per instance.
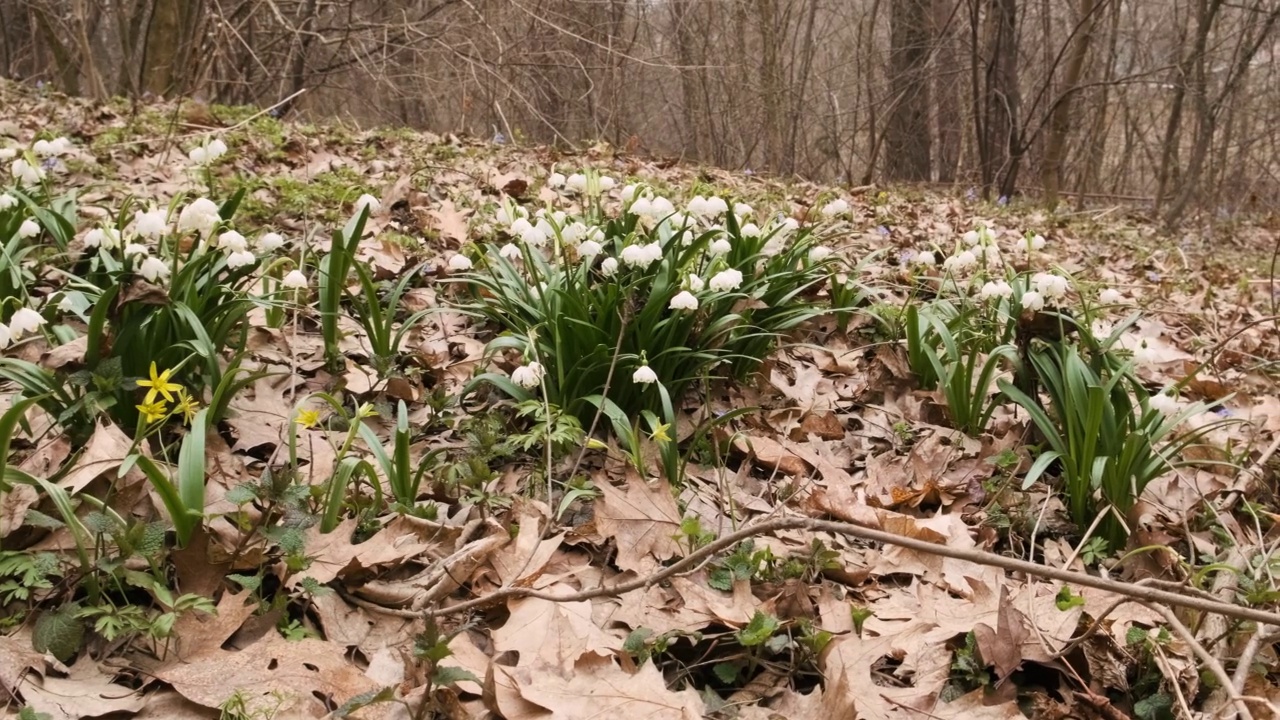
[598, 688]
[643, 520]
[333, 554]
[450, 222]
[771, 454]
[1001, 646]
[104, 452]
[86, 692]
[521, 561]
[554, 633]
[306, 673]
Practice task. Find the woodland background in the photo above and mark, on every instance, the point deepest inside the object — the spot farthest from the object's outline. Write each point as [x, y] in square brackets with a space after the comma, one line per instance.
[1172, 104]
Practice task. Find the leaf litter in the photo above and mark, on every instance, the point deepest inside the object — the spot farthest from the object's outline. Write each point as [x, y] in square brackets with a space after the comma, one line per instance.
[837, 432]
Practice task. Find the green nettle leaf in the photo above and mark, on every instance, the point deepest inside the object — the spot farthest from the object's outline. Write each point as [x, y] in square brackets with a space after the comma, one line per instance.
[761, 627]
[1065, 600]
[720, 578]
[364, 700]
[1154, 707]
[248, 582]
[449, 676]
[59, 633]
[637, 640]
[727, 672]
[1135, 636]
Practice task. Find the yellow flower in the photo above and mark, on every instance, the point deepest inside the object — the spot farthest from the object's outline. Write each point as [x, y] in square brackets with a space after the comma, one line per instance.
[187, 405]
[159, 385]
[308, 418]
[366, 411]
[153, 411]
[660, 433]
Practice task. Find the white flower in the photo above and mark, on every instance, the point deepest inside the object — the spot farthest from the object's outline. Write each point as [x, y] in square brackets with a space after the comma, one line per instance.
[1110, 296]
[694, 283]
[240, 259]
[684, 300]
[28, 229]
[528, 376]
[573, 233]
[742, 210]
[726, 280]
[1102, 329]
[971, 238]
[555, 180]
[5, 336]
[1166, 404]
[8, 153]
[25, 173]
[644, 375]
[960, 261]
[67, 303]
[750, 230]
[641, 206]
[534, 237]
[294, 280]
[685, 237]
[925, 257]
[607, 183]
[233, 242]
[609, 267]
[717, 205]
[789, 225]
[576, 183]
[217, 148]
[1144, 355]
[198, 155]
[25, 320]
[209, 151]
[201, 216]
[108, 238]
[460, 263]
[819, 253]
[136, 250]
[150, 224]
[641, 256]
[7, 201]
[520, 226]
[270, 242]
[839, 206]
[1053, 287]
[45, 148]
[629, 191]
[1035, 242]
[995, 289]
[719, 246]
[589, 248]
[509, 251]
[1032, 300]
[661, 207]
[153, 269]
[368, 201]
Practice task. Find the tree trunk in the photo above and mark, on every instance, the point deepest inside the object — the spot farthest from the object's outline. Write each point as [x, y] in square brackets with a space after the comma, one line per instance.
[947, 88]
[1060, 115]
[1003, 97]
[907, 137]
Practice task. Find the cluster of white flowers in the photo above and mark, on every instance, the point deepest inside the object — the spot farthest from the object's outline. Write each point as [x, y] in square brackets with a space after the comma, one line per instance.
[835, 208]
[24, 320]
[581, 183]
[708, 207]
[294, 280]
[725, 280]
[150, 224]
[208, 152]
[201, 217]
[7, 201]
[26, 174]
[995, 289]
[641, 255]
[1030, 243]
[1053, 287]
[237, 249]
[51, 148]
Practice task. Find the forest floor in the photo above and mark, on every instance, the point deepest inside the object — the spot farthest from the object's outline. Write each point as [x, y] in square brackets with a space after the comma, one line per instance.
[454, 605]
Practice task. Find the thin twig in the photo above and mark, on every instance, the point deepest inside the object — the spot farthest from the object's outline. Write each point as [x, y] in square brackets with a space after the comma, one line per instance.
[1211, 662]
[980, 557]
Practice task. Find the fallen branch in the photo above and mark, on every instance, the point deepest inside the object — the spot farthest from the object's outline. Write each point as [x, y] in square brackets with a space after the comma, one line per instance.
[1139, 592]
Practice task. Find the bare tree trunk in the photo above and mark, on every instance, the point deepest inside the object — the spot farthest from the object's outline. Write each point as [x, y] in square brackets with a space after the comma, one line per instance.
[947, 89]
[770, 83]
[1088, 180]
[1060, 115]
[1002, 96]
[907, 137]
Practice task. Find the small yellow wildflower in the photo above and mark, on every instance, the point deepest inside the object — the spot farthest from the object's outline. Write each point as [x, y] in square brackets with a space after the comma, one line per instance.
[159, 385]
[187, 405]
[153, 411]
[366, 411]
[308, 418]
[660, 433]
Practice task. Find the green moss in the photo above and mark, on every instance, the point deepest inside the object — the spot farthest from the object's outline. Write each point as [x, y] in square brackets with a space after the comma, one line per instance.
[323, 197]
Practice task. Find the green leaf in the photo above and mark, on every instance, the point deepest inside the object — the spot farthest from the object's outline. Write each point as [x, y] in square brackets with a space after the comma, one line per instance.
[726, 672]
[1065, 599]
[449, 676]
[761, 627]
